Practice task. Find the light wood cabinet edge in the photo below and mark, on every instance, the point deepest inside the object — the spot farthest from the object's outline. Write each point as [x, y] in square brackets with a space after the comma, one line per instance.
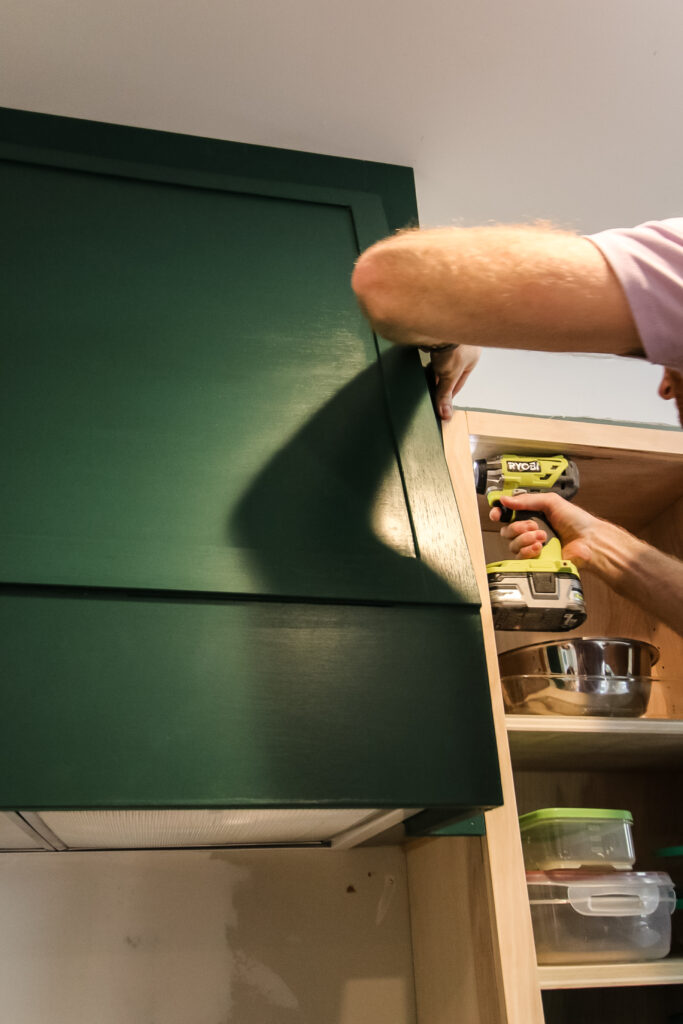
[577, 434]
[455, 962]
[458, 886]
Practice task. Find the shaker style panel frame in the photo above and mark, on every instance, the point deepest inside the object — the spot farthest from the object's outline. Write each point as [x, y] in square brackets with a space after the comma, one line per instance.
[361, 425]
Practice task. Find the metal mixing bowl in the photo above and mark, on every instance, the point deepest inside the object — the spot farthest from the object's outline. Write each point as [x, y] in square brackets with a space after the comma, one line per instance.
[602, 696]
[602, 676]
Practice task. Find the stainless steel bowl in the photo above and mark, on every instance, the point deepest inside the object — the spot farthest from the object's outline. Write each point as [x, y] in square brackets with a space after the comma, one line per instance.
[581, 655]
[601, 696]
[603, 676]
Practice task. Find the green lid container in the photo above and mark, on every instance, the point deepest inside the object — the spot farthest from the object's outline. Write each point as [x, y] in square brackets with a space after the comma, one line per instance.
[549, 814]
[670, 851]
[572, 838]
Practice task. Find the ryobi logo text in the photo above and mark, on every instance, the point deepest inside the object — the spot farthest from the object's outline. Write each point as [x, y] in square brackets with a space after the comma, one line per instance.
[523, 467]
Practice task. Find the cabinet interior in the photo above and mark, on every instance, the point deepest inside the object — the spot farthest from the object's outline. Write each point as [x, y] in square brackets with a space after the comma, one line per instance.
[651, 1004]
[651, 797]
[637, 488]
[641, 490]
[634, 478]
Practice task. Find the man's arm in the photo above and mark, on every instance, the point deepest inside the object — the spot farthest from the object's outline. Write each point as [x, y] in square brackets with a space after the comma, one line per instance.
[633, 569]
[509, 286]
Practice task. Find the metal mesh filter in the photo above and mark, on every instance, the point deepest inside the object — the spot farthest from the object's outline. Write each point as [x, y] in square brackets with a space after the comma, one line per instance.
[133, 829]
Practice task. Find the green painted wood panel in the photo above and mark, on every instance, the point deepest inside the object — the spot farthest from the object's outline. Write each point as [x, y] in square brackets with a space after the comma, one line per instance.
[163, 350]
[179, 345]
[26, 133]
[111, 701]
[234, 570]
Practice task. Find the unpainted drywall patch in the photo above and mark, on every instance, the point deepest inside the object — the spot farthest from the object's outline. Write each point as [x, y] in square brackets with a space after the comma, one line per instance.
[266, 982]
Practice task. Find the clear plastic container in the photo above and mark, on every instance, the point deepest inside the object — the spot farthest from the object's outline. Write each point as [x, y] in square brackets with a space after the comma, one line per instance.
[577, 837]
[672, 857]
[581, 917]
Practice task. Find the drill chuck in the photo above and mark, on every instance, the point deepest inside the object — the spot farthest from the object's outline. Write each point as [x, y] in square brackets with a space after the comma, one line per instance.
[480, 467]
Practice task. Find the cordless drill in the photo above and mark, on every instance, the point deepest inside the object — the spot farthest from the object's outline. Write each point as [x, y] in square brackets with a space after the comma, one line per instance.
[542, 594]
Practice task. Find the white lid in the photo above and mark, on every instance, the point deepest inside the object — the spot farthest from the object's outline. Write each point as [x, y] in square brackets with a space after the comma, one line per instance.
[619, 894]
[563, 877]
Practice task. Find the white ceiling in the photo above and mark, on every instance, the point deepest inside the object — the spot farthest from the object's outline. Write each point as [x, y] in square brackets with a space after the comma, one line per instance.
[507, 109]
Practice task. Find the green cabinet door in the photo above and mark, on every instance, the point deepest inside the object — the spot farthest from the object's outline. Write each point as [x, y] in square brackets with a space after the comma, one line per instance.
[204, 451]
[191, 399]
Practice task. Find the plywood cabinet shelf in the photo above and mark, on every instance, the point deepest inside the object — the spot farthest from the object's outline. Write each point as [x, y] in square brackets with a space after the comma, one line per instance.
[658, 972]
[553, 744]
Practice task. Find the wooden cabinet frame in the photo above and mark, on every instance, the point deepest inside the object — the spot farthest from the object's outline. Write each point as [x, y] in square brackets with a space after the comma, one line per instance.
[473, 944]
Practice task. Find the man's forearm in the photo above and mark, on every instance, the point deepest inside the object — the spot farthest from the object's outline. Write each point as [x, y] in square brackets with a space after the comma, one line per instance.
[641, 573]
[530, 287]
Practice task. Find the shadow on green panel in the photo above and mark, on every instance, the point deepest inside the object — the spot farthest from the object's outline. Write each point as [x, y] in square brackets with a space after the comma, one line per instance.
[311, 511]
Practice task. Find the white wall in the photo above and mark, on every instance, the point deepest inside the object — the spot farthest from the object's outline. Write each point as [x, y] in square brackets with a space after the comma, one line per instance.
[508, 110]
[284, 937]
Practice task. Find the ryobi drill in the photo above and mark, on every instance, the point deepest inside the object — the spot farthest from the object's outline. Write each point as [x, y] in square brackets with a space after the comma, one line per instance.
[539, 594]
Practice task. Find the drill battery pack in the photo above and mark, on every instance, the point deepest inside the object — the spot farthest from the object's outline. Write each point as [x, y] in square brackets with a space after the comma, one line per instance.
[528, 598]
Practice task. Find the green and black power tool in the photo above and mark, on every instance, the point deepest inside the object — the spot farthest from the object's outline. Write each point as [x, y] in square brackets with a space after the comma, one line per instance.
[542, 594]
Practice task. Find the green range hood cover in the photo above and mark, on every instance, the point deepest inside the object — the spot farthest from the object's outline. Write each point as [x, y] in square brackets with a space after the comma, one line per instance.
[233, 570]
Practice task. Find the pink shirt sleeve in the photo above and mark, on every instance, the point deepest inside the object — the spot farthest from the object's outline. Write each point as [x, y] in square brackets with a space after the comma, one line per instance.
[648, 261]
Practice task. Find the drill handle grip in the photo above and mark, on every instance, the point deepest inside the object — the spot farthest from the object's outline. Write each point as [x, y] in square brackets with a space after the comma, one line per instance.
[508, 515]
[540, 518]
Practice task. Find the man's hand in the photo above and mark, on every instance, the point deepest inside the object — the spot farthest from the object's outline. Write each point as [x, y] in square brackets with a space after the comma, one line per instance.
[452, 367]
[579, 531]
[651, 579]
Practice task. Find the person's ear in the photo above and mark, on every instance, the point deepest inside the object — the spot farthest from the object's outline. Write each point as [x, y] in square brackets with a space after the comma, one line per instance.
[665, 389]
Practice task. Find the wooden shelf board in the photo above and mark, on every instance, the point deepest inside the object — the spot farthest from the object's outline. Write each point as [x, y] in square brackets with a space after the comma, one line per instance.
[657, 972]
[545, 743]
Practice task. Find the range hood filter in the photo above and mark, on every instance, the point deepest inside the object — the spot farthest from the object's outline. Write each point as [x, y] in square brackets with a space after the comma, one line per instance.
[157, 829]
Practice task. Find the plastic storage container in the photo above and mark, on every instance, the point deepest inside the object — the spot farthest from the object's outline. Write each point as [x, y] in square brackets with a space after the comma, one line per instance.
[581, 917]
[577, 837]
[673, 862]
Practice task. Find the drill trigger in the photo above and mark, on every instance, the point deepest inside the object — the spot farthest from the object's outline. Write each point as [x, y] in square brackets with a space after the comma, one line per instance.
[506, 514]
